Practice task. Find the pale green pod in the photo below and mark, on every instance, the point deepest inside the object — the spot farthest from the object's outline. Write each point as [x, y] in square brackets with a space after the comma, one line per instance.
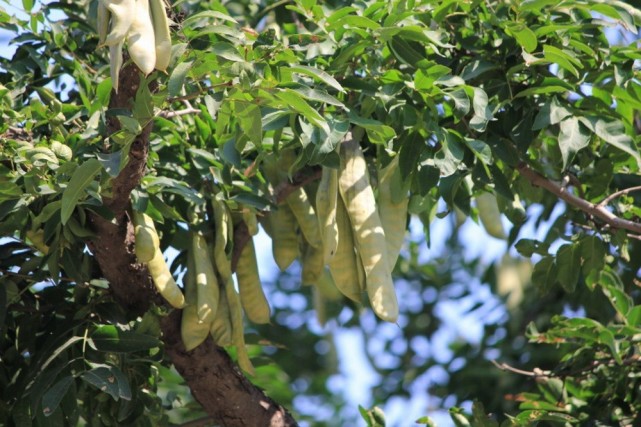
[360, 202]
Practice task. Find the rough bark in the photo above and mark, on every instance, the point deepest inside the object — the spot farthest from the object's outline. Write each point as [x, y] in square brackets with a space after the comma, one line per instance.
[216, 383]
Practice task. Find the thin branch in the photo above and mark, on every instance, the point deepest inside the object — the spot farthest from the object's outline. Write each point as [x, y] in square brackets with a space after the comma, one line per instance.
[186, 111]
[199, 92]
[619, 193]
[590, 208]
[536, 373]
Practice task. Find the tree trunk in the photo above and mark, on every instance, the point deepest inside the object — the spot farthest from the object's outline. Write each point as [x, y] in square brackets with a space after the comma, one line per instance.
[215, 381]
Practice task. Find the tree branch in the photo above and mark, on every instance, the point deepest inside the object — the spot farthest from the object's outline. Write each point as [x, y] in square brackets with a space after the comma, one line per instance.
[619, 193]
[186, 111]
[597, 211]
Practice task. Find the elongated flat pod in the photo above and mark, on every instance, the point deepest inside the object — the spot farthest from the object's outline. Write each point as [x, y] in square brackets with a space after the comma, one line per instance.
[312, 264]
[490, 215]
[393, 215]
[164, 281]
[222, 221]
[115, 64]
[221, 327]
[162, 33]
[238, 333]
[284, 236]
[344, 264]
[305, 216]
[122, 13]
[103, 17]
[326, 199]
[208, 292]
[358, 196]
[141, 42]
[146, 237]
[192, 331]
[297, 200]
[251, 292]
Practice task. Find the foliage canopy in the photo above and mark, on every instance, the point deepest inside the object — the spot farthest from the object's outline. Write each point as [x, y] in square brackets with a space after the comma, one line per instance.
[534, 102]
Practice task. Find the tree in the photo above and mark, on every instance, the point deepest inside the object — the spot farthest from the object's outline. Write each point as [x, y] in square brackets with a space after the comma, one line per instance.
[485, 108]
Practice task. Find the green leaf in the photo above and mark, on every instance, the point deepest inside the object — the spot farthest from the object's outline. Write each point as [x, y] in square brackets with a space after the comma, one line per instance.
[250, 121]
[109, 379]
[528, 247]
[544, 274]
[613, 132]
[298, 104]
[318, 74]
[606, 337]
[80, 180]
[634, 316]
[562, 58]
[201, 16]
[593, 252]
[177, 78]
[52, 397]
[573, 137]
[568, 261]
[550, 114]
[109, 338]
[461, 102]
[377, 132]
[228, 51]
[482, 111]
[317, 95]
[523, 35]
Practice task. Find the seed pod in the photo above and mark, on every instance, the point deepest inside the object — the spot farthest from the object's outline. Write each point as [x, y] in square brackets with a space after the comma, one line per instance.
[102, 20]
[297, 200]
[238, 334]
[122, 14]
[192, 330]
[249, 217]
[221, 328]
[223, 238]
[208, 292]
[305, 216]
[115, 63]
[490, 215]
[312, 264]
[359, 200]
[318, 300]
[326, 199]
[141, 40]
[146, 237]
[284, 236]
[393, 215]
[164, 281]
[251, 291]
[345, 264]
[162, 34]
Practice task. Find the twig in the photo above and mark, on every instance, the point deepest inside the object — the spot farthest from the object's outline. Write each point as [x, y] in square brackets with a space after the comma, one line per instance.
[536, 373]
[616, 194]
[198, 92]
[595, 210]
[186, 111]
